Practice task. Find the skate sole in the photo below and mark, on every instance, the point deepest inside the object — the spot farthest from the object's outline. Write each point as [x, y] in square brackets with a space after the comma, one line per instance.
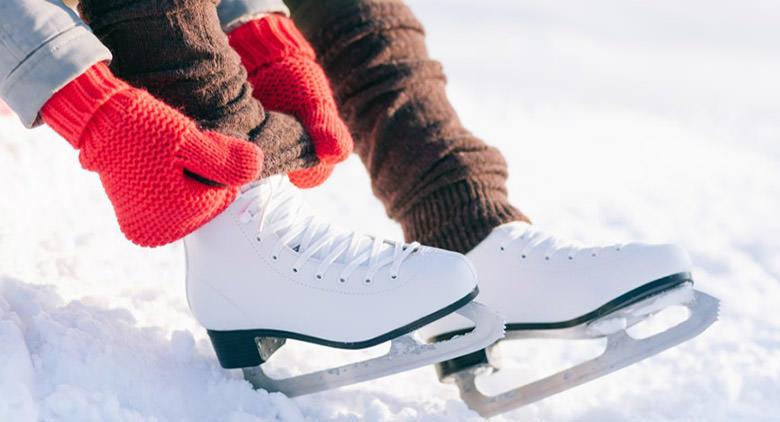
[627, 299]
[563, 329]
[406, 353]
[637, 295]
[241, 348]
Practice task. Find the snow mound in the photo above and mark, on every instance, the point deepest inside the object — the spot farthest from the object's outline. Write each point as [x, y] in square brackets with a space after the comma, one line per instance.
[80, 362]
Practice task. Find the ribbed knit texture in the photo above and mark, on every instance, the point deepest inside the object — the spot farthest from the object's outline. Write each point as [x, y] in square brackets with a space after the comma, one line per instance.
[286, 77]
[141, 149]
[445, 186]
[69, 111]
[176, 50]
[459, 216]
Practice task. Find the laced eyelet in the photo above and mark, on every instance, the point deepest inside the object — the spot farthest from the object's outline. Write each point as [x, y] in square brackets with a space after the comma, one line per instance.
[367, 281]
[274, 257]
[394, 276]
[501, 248]
[593, 254]
[318, 276]
[571, 258]
[295, 270]
[259, 239]
[342, 280]
[524, 256]
[546, 258]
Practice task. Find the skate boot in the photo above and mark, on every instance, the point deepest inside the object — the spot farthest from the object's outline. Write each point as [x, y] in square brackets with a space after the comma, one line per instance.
[267, 270]
[549, 288]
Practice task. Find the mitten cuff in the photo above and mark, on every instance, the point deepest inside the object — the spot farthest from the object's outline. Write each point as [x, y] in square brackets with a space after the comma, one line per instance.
[268, 40]
[69, 110]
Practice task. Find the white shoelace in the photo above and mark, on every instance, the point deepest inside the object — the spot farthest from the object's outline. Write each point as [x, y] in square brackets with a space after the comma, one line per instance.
[280, 210]
[532, 239]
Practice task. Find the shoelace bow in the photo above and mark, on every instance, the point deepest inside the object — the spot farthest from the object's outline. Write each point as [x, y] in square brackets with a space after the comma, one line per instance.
[281, 210]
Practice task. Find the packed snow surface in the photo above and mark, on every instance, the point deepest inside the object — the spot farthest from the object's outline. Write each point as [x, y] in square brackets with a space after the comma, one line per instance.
[652, 121]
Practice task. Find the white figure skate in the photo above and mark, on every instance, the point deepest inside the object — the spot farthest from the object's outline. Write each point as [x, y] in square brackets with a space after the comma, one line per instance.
[548, 288]
[266, 270]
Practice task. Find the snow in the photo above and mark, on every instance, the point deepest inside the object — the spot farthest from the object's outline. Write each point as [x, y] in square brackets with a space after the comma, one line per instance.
[621, 120]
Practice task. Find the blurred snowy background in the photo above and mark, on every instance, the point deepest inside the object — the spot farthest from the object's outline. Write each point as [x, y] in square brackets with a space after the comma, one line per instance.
[621, 120]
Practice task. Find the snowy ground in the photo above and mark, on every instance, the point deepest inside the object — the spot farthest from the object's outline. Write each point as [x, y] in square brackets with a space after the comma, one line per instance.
[621, 120]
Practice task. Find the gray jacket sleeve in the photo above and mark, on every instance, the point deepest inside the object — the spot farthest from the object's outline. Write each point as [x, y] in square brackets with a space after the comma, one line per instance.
[233, 13]
[43, 46]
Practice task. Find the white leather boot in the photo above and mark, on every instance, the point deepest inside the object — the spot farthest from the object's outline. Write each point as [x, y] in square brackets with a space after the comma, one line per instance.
[546, 287]
[267, 269]
[537, 281]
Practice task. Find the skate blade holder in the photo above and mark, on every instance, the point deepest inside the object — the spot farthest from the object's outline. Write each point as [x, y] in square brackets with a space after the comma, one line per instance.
[621, 351]
[406, 353]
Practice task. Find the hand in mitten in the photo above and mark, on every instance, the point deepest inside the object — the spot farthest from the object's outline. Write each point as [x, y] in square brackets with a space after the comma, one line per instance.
[285, 76]
[178, 52]
[164, 176]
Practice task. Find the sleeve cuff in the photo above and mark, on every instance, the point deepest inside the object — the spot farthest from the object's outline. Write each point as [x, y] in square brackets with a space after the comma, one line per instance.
[49, 69]
[234, 13]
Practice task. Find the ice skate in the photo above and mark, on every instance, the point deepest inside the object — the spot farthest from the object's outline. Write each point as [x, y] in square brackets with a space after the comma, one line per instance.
[548, 288]
[267, 270]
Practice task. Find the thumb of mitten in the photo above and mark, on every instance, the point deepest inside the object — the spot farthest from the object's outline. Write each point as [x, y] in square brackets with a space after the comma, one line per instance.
[221, 159]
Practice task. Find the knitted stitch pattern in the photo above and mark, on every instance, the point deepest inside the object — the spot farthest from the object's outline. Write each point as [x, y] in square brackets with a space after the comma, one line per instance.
[444, 185]
[142, 150]
[177, 51]
[283, 70]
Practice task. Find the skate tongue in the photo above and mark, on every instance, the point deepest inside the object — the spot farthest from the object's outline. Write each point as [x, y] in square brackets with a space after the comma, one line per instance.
[261, 192]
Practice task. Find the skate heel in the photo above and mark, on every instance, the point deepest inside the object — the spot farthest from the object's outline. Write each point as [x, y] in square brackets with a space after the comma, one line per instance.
[482, 360]
[243, 348]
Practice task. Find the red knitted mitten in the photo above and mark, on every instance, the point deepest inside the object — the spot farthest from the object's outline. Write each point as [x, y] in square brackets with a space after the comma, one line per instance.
[164, 176]
[283, 70]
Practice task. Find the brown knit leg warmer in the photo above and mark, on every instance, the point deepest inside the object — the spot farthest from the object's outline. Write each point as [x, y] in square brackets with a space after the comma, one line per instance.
[445, 186]
[176, 50]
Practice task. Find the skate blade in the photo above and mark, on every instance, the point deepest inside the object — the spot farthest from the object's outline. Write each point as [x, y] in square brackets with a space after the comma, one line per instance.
[621, 351]
[406, 353]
